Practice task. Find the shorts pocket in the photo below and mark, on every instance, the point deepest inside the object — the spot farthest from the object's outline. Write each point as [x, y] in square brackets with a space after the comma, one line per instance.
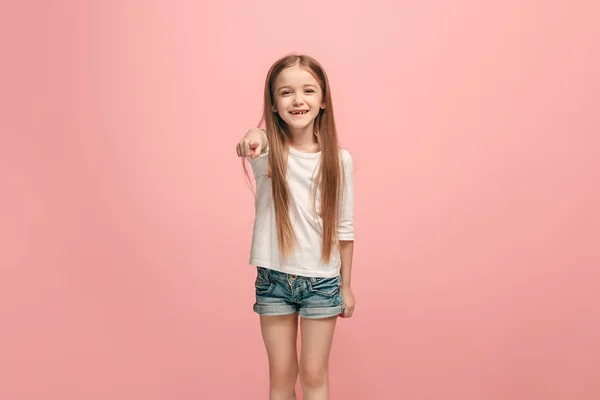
[263, 284]
[327, 287]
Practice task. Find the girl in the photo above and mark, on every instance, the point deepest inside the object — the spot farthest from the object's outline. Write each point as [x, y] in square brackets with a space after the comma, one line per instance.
[303, 236]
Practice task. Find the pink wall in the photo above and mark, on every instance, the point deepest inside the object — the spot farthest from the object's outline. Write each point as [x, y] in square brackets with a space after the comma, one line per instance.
[126, 219]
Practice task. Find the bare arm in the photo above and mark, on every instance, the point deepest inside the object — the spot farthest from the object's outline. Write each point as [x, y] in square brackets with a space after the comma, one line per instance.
[346, 253]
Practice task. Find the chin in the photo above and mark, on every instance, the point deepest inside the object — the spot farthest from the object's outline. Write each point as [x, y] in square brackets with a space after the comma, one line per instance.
[300, 124]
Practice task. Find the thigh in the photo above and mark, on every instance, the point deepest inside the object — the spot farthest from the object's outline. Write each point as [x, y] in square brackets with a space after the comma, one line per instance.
[280, 334]
[316, 339]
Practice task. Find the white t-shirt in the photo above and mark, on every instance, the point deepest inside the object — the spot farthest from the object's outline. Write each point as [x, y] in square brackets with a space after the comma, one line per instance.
[308, 226]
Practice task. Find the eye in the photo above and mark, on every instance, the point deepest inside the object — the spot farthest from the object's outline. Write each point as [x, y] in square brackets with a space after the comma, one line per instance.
[310, 91]
[285, 92]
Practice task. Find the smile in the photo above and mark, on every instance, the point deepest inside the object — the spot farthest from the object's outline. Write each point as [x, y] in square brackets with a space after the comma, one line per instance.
[301, 112]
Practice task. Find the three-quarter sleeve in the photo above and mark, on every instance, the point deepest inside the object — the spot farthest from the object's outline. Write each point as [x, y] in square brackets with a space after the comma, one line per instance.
[346, 215]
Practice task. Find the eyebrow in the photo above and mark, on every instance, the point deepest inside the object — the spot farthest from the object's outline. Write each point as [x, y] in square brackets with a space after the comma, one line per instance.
[289, 87]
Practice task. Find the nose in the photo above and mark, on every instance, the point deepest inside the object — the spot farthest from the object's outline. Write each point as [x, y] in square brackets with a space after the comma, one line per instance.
[298, 99]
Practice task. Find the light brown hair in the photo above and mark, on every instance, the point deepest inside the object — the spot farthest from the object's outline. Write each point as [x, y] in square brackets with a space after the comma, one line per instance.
[329, 174]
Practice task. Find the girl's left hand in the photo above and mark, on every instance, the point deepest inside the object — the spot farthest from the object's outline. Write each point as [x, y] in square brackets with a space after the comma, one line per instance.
[349, 302]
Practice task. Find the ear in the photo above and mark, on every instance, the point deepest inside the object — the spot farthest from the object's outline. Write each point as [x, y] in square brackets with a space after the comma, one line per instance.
[323, 106]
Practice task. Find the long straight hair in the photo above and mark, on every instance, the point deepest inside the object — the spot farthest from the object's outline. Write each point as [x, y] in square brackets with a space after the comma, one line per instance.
[328, 176]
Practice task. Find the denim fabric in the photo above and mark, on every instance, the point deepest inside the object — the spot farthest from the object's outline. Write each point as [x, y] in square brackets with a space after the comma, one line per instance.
[278, 293]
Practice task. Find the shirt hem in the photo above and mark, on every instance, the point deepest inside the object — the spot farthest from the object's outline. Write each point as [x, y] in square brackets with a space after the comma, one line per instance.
[346, 237]
[292, 270]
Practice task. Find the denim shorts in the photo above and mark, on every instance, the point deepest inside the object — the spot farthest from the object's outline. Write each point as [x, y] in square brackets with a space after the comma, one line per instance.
[278, 293]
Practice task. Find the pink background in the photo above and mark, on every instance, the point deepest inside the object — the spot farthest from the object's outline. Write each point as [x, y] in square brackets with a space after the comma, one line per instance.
[126, 219]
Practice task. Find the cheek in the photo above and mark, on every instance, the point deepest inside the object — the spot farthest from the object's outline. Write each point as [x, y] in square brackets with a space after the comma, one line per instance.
[317, 101]
[280, 105]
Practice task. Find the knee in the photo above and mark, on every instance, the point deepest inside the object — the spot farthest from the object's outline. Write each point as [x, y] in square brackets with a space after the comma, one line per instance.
[313, 375]
[283, 377]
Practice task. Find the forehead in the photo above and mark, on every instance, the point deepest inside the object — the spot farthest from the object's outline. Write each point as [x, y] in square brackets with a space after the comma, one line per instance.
[295, 76]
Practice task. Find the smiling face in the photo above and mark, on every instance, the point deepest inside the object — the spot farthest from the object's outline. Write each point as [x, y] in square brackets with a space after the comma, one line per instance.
[298, 98]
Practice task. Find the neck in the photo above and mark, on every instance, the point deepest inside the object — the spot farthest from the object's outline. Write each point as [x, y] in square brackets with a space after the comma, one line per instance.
[304, 139]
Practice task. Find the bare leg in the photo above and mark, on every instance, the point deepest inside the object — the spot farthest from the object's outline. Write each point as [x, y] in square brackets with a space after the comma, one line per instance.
[317, 335]
[280, 335]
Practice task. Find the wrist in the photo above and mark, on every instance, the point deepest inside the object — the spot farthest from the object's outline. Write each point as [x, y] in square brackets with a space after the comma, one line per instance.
[263, 138]
[262, 132]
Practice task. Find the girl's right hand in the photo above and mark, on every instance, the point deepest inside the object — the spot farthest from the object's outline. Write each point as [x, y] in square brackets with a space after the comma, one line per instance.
[252, 144]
